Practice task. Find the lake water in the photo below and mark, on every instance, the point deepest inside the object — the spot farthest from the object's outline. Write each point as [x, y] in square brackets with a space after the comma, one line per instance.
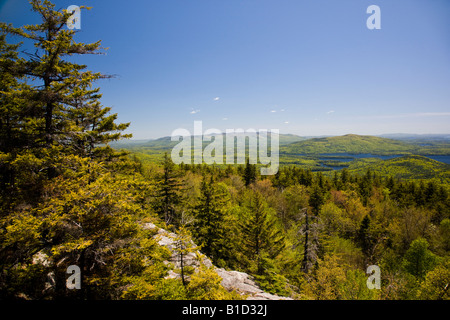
[347, 157]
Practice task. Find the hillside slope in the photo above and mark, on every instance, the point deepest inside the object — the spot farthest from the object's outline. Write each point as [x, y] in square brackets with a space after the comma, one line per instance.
[349, 143]
[407, 167]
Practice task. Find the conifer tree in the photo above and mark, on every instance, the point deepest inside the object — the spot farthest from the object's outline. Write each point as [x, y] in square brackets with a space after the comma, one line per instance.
[168, 192]
[209, 213]
[363, 237]
[66, 110]
[365, 186]
[316, 199]
[13, 129]
[261, 236]
[52, 125]
[12, 133]
[344, 176]
[249, 173]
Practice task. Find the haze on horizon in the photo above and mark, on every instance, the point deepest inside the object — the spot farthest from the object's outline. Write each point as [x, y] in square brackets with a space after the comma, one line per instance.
[310, 68]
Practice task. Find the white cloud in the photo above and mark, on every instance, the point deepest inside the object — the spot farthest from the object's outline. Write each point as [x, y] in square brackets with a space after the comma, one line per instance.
[216, 99]
[286, 122]
[331, 111]
[273, 111]
[195, 111]
[224, 119]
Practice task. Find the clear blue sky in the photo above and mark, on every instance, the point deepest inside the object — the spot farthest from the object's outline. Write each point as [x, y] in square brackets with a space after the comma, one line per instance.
[304, 67]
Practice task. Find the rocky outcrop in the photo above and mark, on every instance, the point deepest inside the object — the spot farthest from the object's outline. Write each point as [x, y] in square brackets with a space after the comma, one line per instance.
[237, 281]
[243, 283]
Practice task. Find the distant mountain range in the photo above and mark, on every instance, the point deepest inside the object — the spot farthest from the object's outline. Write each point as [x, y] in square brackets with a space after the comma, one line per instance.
[410, 136]
[431, 144]
[350, 143]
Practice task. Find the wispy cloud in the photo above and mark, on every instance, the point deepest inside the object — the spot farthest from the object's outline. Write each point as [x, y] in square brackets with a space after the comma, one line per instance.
[273, 111]
[331, 111]
[194, 111]
[286, 122]
[216, 99]
[224, 119]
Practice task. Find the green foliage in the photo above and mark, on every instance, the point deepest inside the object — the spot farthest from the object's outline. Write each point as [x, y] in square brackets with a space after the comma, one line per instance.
[407, 167]
[209, 225]
[418, 259]
[249, 173]
[167, 192]
[436, 283]
[205, 285]
[261, 236]
[316, 199]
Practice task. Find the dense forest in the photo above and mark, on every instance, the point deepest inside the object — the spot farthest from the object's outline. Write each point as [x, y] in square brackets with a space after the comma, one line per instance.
[68, 198]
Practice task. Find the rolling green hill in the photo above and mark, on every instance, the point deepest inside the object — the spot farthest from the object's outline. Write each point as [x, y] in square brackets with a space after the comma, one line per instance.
[349, 143]
[407, 167]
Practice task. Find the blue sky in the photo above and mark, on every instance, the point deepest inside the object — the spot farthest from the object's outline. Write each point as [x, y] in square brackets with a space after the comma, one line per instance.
[303, 67]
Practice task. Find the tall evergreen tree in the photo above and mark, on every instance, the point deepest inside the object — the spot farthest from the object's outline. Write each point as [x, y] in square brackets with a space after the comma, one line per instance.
[364, 237]
[209, 213]
[12, 134]
[316, 199]
[261, 236]
[66, 109]
[365, 186]
[249, 173]
[168, 192]
[85, 215]
[13, 128]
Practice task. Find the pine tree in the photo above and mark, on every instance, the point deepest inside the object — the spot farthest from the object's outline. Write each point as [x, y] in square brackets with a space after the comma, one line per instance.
[249, 173]
[365, 186]
[316, 199]
[261, 236]
[209, 213]
[13, 130]
[67, 113]
[61, 203]
[364, 238]
[168, 192]
[344, 177]
[12, 134]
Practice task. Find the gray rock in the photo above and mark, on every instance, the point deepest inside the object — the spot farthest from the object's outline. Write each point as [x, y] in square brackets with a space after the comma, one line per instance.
[240, 282]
